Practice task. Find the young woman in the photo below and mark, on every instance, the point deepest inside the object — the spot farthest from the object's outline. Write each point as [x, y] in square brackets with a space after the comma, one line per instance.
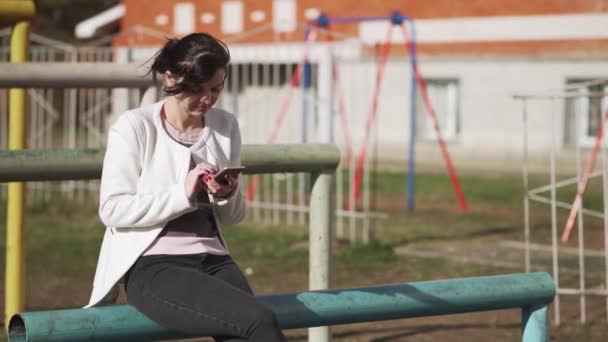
[163, 208]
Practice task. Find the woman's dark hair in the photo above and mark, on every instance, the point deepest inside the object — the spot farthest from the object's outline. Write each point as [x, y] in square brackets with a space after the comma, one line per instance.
[192, 60]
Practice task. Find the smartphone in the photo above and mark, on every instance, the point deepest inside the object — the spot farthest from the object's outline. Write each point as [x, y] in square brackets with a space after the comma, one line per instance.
[234, 171]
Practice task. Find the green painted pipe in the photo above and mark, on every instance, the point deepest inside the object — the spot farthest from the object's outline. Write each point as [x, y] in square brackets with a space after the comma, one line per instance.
[76, 164]
[317, 308]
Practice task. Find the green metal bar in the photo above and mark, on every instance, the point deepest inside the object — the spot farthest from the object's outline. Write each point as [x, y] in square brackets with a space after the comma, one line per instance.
[74, 164]
[535, 323]
[313, 309]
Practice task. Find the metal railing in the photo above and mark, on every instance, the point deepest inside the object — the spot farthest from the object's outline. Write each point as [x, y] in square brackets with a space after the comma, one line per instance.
[79, 164]
[319, 159]
[70, 75]
[532, 292]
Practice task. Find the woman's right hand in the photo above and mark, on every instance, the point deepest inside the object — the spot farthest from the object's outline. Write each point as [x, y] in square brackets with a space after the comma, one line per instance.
[193, 179]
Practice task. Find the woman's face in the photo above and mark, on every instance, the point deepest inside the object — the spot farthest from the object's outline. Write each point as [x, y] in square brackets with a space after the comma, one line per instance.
[199, 102]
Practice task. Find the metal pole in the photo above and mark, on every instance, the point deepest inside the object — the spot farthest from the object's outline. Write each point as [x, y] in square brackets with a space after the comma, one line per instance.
[605, 218]
[581, 242]
[554, 239]
[75, 75]
[76, 164]
[534, 324]
[15, 259]
[411, 165]
[273, 182]
[16, 10]
[312, 308]
[346, 20]
[320, 243]
[305, 83]
[526, 189]
[321, 203]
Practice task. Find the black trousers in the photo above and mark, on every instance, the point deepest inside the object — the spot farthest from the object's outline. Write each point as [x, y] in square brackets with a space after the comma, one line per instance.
[200, 294]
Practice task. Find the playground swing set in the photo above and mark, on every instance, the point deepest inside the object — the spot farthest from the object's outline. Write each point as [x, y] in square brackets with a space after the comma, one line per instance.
[396, 19]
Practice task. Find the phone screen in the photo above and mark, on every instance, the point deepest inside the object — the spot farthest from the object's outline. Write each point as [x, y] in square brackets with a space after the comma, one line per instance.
[234, 171]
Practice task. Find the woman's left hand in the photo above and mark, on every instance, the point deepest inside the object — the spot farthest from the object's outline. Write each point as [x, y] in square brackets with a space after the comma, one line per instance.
[221, 189]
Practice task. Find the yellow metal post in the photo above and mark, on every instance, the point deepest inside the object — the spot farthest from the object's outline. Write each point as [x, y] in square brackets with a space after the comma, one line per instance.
[13, 11]
[15, 259]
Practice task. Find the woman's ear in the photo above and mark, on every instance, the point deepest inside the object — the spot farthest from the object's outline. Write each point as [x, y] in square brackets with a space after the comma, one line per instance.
[169, 79]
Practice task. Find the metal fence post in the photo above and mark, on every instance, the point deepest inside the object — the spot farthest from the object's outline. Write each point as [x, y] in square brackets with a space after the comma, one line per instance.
[15, 219]
[321, 209]
[535, 324]
[320, 242]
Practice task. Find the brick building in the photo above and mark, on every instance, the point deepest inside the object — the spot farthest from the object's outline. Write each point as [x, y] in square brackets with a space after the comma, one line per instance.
[463, 27]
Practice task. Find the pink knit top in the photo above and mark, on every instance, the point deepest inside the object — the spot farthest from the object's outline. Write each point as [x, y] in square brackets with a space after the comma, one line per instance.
[195, 232]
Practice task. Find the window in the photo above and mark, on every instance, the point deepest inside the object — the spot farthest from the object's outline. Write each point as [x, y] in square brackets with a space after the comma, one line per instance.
[232, 17]
[284, 15]
[444, 95]
[183, 18]
[584, 113]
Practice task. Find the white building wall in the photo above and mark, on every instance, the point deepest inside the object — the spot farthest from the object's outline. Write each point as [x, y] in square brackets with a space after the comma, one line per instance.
[491, 120]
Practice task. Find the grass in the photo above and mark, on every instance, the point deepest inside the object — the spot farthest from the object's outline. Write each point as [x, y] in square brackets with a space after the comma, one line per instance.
[62, 229]
[437, 187]
[495, 190]
[63, 237]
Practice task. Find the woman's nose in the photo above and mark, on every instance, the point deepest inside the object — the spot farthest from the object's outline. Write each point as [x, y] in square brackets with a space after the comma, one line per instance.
[206, 99]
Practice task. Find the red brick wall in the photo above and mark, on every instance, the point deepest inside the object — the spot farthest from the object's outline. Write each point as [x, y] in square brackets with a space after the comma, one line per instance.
[143, 13]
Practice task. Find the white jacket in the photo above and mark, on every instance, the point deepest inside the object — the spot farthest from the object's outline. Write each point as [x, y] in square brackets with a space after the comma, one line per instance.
[143, 185]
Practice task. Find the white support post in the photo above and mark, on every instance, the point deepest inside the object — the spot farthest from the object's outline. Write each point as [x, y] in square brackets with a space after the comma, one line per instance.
[120, 96]
[554, 238]
[605, 201]
[581, 240]
[526, 188]
[321, 203]
[325, 127]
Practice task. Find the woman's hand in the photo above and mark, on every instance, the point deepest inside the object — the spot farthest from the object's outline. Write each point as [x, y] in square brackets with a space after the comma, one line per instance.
[221, 189]
[194, 179]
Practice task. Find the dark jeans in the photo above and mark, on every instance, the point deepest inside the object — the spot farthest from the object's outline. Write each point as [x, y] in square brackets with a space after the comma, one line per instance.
[202, 295]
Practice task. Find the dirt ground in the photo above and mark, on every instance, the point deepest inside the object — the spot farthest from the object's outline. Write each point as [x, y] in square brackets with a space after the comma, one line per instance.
[495, 249]
[501, 325]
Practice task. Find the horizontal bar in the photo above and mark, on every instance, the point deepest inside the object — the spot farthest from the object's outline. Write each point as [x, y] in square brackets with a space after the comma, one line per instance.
[305, 309]
[12, 11]
[559, 95]
[347, 20]
[562, 183]
[568, 206]
[78, 164]
[586, 292]
[358, 19]
[74, 75]
[304, 209]
[537, 247]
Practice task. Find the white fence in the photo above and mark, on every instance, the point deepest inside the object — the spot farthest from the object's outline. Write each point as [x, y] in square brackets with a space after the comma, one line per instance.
[579, 266]
[76, 118]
